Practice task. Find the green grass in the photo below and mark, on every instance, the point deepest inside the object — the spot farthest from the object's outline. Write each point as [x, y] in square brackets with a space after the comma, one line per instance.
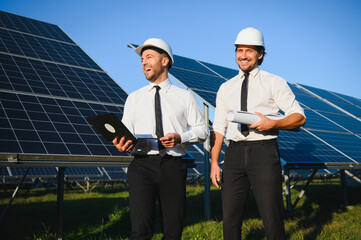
[104, 214]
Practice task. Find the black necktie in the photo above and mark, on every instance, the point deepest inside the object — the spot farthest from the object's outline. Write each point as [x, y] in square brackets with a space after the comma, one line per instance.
[244, 94]
[158, 116]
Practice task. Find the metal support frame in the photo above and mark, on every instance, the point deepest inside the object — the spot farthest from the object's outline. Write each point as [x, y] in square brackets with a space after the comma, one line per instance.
[288, 189]
[44, 160]
[342, 167]
[300, 195]
[60, 205]
[287, 179]
[61, 162]
[14, 194]
[343, 186]
[207, 208]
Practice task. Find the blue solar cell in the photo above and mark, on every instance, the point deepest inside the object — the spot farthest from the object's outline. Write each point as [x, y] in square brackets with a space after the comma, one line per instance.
[190, 65]
[323, 93]
[227, 73]
[82, 171]
[115, 173]
[209, 97]
[355, 101]
[38, 171]
[9, 146]
[78, 149]
[196, 80]
[31, 26]
[312, 102]
[347, 122]
[301, 147]
[4, 172]
[338, 99]
[347, 143]
[321, 121]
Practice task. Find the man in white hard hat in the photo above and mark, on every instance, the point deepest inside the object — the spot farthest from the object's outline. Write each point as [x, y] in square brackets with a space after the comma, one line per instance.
[172, 115]
[252, 157]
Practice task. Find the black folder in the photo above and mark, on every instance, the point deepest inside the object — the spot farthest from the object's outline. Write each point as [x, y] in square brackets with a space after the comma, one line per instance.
[110, 127]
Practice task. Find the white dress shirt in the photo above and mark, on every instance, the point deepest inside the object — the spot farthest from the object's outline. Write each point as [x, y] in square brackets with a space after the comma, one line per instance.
[180, 114]
[267, 94]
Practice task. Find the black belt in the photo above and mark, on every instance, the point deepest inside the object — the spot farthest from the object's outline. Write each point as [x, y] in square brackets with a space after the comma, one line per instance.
[252, 143]
[167, 156]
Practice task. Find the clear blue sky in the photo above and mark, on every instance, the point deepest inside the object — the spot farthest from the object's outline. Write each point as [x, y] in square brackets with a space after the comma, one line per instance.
[317, 43]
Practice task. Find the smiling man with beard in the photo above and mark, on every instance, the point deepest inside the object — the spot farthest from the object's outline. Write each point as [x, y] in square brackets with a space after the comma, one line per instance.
[171, 114]
[252, 157]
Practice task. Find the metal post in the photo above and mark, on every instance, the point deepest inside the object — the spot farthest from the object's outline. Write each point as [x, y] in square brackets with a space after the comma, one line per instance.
[60, 207]
[288, 189]
[300, 195]
[344, 187]
[14, 194]
[207, 209]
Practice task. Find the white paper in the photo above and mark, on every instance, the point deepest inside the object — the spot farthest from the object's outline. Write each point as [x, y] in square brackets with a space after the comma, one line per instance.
[248, 117]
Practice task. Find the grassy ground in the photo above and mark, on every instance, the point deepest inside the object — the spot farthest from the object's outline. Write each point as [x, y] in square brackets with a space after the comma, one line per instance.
[104, 214]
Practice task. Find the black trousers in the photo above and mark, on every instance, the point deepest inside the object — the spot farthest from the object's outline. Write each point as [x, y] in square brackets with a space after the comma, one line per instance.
[256, 164]
[153, 178]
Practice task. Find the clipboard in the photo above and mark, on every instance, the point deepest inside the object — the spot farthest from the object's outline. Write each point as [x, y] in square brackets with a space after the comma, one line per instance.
[110, 127]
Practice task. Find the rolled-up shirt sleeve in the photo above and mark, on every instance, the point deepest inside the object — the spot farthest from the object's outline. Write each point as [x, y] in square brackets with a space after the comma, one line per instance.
[220, 122]
[197, 132]
[128, 118]
[285, 98]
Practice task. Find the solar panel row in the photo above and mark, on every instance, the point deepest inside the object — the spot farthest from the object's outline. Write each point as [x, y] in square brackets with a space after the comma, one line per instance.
[38, 77]
[35, 47]
[48, 86]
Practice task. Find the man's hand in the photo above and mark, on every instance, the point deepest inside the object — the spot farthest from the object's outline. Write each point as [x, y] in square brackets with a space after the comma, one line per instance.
[292, 121]
[216, 175]
[264, 123]
[122, 145]
[170, 140]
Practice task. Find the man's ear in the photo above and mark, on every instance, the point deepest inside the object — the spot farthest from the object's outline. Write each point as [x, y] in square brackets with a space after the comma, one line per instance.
[165, 61]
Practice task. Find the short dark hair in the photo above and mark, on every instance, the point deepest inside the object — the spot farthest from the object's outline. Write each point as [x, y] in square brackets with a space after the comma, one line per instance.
[160, 51]
[259, 49]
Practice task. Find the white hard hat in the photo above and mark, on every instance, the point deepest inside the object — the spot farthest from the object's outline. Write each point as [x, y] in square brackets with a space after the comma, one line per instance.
[158, 43]
[249, 36]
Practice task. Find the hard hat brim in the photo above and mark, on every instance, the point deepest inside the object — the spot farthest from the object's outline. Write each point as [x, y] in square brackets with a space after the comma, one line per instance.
[139, 49]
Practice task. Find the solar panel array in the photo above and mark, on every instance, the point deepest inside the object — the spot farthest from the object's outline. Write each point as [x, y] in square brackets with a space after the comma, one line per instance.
[48, 86]
[336, 129]
[329, 136]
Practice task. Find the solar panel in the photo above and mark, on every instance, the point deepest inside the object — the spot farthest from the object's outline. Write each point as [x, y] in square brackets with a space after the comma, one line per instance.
[317, 111]
[227, 73]
[34, 172]
[313, 145]
[350, 104]
[31, 26]
[302, 147]
[4, 171]
[48, 86]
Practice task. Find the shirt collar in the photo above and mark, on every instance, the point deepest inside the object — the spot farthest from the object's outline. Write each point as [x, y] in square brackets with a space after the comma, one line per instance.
[252, 73]
[163, 85]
